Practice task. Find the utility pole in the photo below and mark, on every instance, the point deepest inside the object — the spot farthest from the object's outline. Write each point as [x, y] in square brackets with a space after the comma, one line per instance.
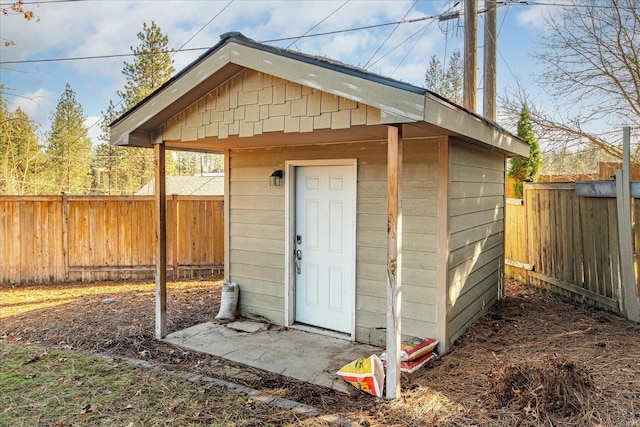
[470, 54]
[490, 49]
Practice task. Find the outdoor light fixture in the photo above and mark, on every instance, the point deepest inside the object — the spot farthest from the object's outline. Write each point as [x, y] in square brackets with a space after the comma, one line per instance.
[276, 178]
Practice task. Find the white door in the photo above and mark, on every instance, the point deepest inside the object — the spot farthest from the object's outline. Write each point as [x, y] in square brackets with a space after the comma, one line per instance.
[325, 246]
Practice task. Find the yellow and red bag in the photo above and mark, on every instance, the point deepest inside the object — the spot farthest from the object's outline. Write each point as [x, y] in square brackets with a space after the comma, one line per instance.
[365, 373]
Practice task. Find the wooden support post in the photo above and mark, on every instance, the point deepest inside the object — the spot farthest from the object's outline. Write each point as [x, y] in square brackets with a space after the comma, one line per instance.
[161, 241]
[490, 50]
[226, 237]
[442, 299]
[470, 54]
[629, 292]
[394, 259]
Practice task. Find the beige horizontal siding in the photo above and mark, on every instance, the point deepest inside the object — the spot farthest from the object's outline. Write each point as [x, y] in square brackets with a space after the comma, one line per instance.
[474, 303]
[464, 253]
[256, 214]
[476, 223]
[477, 204]
[476, 234]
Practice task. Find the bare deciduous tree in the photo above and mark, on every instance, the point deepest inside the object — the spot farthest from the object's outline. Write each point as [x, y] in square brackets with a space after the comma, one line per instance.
[592, 58]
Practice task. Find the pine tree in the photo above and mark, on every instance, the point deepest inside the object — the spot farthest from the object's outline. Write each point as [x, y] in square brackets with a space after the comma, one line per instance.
[454, 78]
[151, 68]
[108, 165]
[21, 156]
[124, 170]
[526, 169]
[446, 84]
[434, 77]
[69, 147]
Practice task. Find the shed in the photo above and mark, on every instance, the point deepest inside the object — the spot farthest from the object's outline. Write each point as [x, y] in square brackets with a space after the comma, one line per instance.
[388, 219]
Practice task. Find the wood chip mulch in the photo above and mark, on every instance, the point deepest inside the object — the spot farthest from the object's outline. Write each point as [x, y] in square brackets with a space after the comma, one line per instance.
[533, 360]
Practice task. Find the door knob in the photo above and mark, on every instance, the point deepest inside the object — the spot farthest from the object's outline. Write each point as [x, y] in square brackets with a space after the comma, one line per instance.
[298, 255]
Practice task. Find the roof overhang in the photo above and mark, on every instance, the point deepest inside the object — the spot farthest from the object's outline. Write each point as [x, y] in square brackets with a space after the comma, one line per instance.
[399, 103]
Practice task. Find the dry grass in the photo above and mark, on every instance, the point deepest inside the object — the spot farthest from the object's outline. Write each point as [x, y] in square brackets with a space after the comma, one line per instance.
[532, 361]
[63, 388]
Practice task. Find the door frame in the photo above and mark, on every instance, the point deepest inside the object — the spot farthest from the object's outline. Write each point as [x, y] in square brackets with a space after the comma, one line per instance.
[289, 246]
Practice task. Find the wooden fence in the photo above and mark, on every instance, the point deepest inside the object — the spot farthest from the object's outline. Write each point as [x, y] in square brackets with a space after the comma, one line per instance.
[86, 238]
[570, 243]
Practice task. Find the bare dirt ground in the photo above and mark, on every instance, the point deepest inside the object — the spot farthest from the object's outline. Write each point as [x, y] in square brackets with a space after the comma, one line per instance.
[534, 360]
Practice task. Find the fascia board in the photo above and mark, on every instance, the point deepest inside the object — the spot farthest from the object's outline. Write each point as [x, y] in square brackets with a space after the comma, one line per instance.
[460, 122]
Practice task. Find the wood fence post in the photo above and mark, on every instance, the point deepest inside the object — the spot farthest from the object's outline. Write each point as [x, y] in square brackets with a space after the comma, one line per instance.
[65, 235]
[176, 234]
[629, 292]
[394, 259]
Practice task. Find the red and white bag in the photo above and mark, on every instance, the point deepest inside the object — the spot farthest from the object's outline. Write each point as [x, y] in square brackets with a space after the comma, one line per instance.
[414, 350]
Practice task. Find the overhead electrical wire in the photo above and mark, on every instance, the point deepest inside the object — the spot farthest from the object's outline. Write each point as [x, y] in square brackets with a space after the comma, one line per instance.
[204, 26]
[315, 26]
[80, 58]
[423, 30]
[499, 2]
[390, 34]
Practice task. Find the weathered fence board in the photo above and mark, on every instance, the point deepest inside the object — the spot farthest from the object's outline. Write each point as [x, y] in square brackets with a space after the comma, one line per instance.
[82, 238]
[560, 240]
[516, 250]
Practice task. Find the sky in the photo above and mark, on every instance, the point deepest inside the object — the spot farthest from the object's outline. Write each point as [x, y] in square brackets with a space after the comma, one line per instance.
[106, 29]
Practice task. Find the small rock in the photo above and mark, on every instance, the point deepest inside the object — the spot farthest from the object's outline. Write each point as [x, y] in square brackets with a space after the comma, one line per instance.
[109, 301]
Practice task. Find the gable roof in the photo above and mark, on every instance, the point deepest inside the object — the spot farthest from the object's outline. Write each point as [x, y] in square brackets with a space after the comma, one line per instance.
[397, 101]
[187, 186]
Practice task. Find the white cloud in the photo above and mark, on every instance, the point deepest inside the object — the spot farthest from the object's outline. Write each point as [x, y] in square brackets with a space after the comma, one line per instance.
[538, 17]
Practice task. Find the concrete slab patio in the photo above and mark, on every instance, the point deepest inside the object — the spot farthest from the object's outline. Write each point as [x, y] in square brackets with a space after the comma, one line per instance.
[305, 356]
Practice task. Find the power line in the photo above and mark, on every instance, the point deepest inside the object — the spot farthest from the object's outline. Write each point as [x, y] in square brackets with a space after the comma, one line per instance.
[122, 55]
[423, 30]
[327, 17]
[80, 58]
[390, 34]
[204, 26]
